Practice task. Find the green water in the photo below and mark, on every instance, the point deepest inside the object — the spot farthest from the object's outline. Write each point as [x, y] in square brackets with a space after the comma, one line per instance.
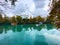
[30, 34]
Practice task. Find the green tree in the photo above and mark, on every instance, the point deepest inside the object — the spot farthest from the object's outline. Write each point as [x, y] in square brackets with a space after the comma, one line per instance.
[50, 18]
[55, 12]
[12, 1]
[34, 20]
[13, 19]
[25, 20]
[6, 19]
[19, 19]
[6, 0]
[31, 20]
[39, 19]
[1, 18]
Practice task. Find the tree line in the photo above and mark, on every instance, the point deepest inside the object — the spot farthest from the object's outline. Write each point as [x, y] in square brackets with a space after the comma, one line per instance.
[19, 20]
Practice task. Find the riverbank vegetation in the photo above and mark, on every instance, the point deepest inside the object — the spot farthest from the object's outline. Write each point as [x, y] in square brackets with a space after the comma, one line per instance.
[19, 20]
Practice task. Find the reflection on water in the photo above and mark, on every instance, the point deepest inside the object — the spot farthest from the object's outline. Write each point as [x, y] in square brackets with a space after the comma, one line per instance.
[30, 34]
[19, 28]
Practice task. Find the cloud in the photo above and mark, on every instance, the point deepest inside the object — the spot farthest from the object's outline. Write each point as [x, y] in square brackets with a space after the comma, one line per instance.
[43, 10]
[22, 6]
[29, 7]
[39, 3]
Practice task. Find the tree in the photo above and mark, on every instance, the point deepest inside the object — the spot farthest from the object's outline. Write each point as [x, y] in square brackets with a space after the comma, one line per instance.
[39, 19]
[50, 18]
[12, 1]
[34, 20]
[6, 19]
[25, 20]
[6, 0]
[54, 7]
[31, 20]
[55, 12]
[13, 19]
[19, 19]
[1, 18]
[58, 17]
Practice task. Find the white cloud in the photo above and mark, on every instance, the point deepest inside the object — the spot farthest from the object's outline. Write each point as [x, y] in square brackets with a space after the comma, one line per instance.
[33, 7]
[42, 11]
[46, 7]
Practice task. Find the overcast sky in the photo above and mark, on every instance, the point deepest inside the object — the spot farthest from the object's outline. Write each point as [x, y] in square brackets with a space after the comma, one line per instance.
[28, 7]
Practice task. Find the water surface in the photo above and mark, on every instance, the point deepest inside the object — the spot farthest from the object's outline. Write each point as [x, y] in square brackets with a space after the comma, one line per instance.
[29, 34]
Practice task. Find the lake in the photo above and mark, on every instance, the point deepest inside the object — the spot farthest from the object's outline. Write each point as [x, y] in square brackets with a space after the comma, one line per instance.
[29, 34]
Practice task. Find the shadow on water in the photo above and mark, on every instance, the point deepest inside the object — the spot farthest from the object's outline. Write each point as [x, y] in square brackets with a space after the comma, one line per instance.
[27, 27]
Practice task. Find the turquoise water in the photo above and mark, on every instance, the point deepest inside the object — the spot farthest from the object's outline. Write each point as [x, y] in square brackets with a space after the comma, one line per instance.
[30, 34]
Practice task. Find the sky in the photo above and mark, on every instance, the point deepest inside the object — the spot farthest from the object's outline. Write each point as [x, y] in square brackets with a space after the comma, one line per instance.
[25, 7]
